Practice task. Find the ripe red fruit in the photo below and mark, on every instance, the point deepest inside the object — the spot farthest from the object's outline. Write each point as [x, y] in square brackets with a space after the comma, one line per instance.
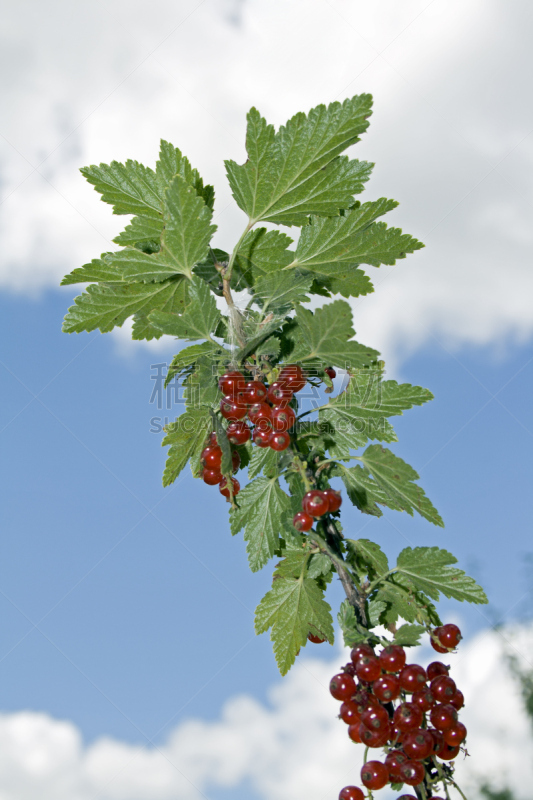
[292, 377]
[456, 735]
[224, 489]
[261, 437]
[212, 438]
[316, 639]
[350, 669]
[283, 418]
[438, 740]
[374, 738]
[443, 717]
[392, 658]
[255, 392]
[443, 688]
[279, 394]
[436, 646]
[302, 521]
[418, 744]
[315, 504]
[211, 476]
[279, 440]
[374, 775]
[393, 762]
[458, 700]
[368, 668]
[412, 772]
[435, 669]
[351, 793]
[408, 716]
[424, 699]
[330, 372]
[375, 719]
[238, 432]
[334, 500]
[231, 383]
[406, 796]
[412, 678]
[235, 461]
[349, 713]
[386, 688]
[211, 457]
[260, 414]
[353, 732]
[342, 686]
[231, 409]
[361, 650]
[448, 753]
[449, 635]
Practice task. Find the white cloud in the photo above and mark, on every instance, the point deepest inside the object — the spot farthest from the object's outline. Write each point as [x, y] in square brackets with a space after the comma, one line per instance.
[93, 82]
[294, 748]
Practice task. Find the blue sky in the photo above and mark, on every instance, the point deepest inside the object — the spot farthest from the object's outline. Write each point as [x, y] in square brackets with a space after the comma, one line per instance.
[126, 608]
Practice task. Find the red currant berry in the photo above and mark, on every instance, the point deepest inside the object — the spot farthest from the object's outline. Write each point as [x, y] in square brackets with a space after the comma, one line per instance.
[279, 394]
[448, 753]
[458, 700]
[443, 688]
[211, 476]
[438, 740]
[449, 636]
[261, 438]
[412, 772]
[375, 719]
[315, 504]
[238, 432]
[231, 383]
[212, 438]
[224, 489]
[351, 793]
[408, 716]
[302, 521]
[392, 658]
[211, 457]
[349, 713]
[279, 440]
[235, 461]
[334, 500]
[418, 744]
[292, 377]
[255, 392]
[406, 796]
[456, 735]
[350, 669]
[436, 646]
[374, 738]
[386, 688]
[315, 639]
[342, 686]
[443, 717]
[232, 410]
[435, 669]
[412, 678]
[364, 700]
[424, 699]
[393, 762]
[330, 372]
[283, 418]
[260, 413]
[353, 732]
[361, 650]
[374, 775]
[368, 668]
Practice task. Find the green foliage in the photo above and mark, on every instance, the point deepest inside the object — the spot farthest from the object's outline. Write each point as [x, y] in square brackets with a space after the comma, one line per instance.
[168, 275]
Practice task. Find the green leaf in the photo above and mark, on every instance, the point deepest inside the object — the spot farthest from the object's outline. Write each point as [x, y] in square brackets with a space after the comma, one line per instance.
[281, 291]
[347, 281]
[293, 607]
[368, 555]
[295, 172]
[375, 610]
[318, 566]
[198, 320]
[269, 348]
[263, 459]
[261, 504]
[408, 635]
[263, 251]
[130, 188]
[325, 335]
[208, 271]
[400, 603]
[363, 491]
[141, 229]
[98, 270]
[186, 359]
[428, 570]
[223, 443]
[107, 306]
[396, 478]
[186, 437]
[352, 632]
[172, 162]
[201, 386]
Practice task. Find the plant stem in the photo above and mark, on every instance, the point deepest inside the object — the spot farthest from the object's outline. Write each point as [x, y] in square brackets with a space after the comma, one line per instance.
[229, 268]
[348, 584]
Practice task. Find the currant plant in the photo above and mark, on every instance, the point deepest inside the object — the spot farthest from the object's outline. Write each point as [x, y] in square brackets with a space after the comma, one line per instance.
[243, 380]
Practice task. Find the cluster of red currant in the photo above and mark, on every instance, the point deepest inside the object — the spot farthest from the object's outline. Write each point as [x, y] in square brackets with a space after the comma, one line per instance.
[414, 732]
[316, 503]
[211, 460]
